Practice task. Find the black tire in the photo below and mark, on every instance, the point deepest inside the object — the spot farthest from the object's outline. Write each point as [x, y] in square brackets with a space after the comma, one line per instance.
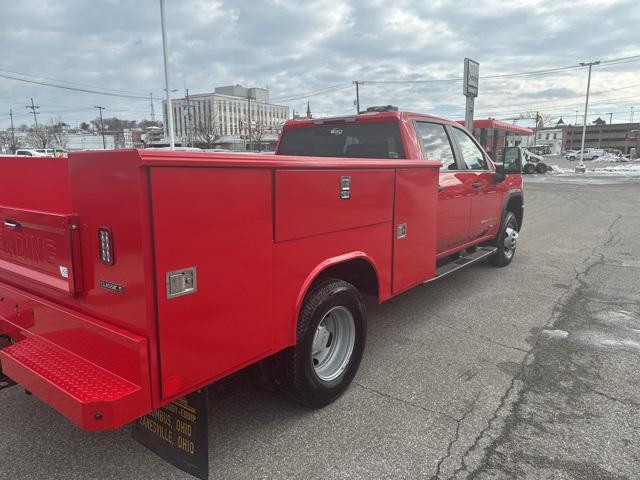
[541, 168]
[572, 158]
[592, 158]
[504, 255]
[529, 168]
[296, 366]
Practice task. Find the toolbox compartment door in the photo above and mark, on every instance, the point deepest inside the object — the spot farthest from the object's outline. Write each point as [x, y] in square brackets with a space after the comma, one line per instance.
[214, 224]
[42, 247]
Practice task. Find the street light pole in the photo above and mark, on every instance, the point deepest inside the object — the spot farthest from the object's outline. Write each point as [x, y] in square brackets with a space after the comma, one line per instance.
[580, 168]
[165, 55]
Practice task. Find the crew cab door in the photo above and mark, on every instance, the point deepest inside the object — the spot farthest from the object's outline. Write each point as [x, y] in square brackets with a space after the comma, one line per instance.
[486, 205]
[454, 190]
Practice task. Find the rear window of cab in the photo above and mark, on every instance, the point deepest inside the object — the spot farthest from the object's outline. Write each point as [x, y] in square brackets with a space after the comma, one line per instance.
[350, 140]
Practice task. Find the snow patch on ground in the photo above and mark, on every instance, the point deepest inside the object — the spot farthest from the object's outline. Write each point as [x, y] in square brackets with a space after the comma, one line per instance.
[619, 169]
[555, 333]
[609, 157]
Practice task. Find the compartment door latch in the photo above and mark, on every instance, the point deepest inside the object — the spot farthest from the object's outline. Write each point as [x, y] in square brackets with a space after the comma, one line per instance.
[181, 282]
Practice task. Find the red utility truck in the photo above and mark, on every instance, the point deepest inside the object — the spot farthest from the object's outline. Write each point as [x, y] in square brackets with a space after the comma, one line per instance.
[130, 278]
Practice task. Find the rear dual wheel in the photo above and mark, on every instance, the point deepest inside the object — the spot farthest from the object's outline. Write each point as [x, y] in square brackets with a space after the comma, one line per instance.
[331, 337]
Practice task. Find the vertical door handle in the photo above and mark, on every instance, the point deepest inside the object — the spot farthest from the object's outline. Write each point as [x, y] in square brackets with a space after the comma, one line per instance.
[476, 185]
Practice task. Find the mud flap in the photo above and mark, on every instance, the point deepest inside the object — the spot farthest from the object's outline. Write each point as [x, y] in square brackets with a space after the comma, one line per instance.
[178, 433]
[5, 382]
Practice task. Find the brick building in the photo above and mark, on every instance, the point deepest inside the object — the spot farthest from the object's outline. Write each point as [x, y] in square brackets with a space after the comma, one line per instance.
[617, 136]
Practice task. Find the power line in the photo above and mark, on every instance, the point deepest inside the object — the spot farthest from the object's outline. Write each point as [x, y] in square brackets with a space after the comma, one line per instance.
[69, 82]
[313, 93]
[76, 89]
[547, 71]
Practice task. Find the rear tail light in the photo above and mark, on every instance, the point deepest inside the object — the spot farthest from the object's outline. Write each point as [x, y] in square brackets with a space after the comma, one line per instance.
[105, 245]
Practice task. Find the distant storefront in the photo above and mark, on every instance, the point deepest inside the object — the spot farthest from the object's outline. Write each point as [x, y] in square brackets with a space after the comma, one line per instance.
[494, 135]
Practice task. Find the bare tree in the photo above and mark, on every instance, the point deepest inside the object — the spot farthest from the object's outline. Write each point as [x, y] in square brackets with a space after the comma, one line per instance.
[206, 132]
[59, 134]
[53, 134]
[258, 131]
[542, 119]
[40, 137]
[9, 142]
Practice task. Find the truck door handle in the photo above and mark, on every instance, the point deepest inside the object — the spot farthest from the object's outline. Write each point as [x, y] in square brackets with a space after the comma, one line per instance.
[476, 185]
[11, 224]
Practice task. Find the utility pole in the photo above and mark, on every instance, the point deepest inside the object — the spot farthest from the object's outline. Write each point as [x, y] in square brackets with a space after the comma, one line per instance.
[357, 84]
[33, 109]
[576, 117]
[610, 117]
[13, 135]
[535, 130]
[104, 143]
[153, 111]
[631, 117]
[165, 55]
[580, 168]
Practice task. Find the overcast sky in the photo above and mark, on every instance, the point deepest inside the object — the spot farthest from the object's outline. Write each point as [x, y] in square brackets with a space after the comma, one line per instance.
[299, 47]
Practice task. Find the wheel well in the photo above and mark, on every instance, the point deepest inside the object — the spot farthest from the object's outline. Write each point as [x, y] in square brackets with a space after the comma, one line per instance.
[515, 205]
[358, 272]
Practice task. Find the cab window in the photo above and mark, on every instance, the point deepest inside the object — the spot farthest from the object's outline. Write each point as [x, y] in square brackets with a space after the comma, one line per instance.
[471, 154]
[435, 144]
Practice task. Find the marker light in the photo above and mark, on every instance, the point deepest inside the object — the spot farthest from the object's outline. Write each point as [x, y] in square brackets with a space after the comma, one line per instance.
[105, 245]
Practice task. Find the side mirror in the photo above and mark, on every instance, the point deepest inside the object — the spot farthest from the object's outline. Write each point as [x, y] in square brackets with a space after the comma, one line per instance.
[512, 160]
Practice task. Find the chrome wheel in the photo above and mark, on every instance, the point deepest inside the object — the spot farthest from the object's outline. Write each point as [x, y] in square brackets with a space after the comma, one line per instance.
[333, 343]
[510, 241]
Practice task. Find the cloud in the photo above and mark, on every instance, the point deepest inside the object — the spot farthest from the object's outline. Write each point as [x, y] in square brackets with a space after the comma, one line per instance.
[298, 47]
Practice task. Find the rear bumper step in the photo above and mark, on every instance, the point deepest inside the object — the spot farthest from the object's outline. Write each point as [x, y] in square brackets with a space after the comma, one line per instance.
[90, 396]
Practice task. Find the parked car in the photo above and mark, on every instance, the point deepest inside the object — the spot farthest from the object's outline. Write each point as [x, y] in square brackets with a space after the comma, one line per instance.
[589, 154]
[26, 152]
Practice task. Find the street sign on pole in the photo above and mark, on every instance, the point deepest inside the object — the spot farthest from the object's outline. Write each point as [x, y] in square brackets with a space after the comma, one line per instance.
[471, 77]
[470, 89]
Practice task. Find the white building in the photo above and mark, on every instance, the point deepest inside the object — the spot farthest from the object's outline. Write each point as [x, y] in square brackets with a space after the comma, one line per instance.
[228, 114]
[517, 140]
[551, 137]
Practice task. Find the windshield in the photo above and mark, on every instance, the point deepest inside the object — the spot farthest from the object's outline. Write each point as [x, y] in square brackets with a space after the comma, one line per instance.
[364, 140]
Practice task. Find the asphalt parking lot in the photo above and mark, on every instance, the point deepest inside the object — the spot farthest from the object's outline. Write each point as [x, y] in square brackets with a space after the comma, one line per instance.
[524, 372]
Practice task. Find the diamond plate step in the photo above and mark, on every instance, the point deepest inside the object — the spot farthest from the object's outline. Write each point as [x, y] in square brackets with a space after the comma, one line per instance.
[86, 393]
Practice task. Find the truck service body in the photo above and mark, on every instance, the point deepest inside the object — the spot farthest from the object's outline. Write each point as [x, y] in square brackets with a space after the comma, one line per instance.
[131, 278]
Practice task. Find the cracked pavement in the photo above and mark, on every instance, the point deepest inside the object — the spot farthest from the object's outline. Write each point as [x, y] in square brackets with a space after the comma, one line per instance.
[524, 372]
